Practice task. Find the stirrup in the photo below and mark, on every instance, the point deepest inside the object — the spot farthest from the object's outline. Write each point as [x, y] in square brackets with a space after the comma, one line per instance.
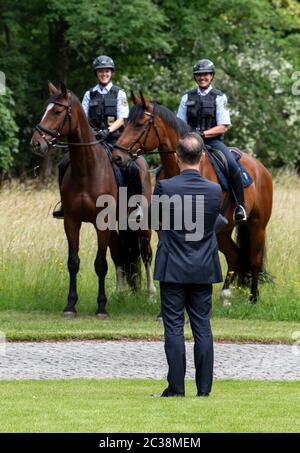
[58, 213]
[239, 214]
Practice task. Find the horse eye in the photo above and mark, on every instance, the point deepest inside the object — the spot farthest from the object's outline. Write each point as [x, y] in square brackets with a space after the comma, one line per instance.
[139, 125]
[56, 112]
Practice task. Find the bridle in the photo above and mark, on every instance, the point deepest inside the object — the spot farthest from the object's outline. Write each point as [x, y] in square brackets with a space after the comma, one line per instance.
[141, 149]
[56, 134]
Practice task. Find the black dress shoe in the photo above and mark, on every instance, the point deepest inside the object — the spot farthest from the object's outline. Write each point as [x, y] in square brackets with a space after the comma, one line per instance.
[167, 393]
[203, 394]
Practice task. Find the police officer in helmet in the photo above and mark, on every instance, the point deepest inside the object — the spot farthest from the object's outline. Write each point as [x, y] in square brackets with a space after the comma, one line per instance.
[106, 104]
[205, 110]
[106, 107]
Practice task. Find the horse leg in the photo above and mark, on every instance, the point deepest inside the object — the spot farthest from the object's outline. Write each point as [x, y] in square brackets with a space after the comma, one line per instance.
[72, 232]
[101, 271]
[146, 252]
[231, 251]
[116, 255]
[257, 246]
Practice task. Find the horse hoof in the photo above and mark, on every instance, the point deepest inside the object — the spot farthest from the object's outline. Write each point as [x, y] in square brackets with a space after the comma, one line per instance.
[226, 303]
[102, 315]
[152, 291]
[69, 314]
[225, 294]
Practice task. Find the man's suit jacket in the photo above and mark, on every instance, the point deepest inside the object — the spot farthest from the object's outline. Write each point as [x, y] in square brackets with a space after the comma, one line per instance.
[183, 261]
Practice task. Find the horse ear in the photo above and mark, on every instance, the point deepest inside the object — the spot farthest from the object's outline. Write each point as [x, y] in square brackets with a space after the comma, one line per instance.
[63, 90]
[143, 99]
[134, 98]
[145, 102]
[52, 89]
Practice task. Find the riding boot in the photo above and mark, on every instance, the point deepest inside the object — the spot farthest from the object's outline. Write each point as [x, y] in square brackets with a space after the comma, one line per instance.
[58, 213]
[239, 214]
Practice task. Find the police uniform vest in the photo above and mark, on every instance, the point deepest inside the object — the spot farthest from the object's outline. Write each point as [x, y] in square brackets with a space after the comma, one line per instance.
[103, 108]
[201, 110]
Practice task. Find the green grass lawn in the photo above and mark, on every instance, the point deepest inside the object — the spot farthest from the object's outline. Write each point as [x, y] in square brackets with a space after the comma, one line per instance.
[39, 326]
[127, 406]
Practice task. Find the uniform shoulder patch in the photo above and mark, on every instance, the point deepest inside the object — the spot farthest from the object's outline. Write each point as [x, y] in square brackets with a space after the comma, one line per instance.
[124, 102]
[226, 106]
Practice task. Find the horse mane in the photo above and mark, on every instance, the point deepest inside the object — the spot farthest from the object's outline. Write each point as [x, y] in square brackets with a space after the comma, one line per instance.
[137, 113]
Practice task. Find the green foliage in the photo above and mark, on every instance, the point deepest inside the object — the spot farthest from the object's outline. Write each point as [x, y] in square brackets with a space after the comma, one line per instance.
[154, 44]
[8, 131]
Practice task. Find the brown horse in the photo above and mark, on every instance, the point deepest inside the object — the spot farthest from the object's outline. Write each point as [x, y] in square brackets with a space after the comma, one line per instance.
[152, 126]
[89, 176]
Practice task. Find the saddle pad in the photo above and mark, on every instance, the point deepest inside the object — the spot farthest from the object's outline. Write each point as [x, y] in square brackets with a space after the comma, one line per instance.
[223, 179]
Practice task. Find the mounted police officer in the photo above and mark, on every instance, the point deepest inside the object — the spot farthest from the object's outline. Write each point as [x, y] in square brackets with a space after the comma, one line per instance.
[205, 110]
[106, 104]
[106, 107]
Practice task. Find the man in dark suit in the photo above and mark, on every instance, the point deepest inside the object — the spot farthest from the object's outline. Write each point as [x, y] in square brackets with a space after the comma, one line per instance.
[187, 266]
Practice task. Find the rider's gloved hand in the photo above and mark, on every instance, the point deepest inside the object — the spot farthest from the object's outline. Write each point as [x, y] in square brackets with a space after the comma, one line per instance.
[103, 134]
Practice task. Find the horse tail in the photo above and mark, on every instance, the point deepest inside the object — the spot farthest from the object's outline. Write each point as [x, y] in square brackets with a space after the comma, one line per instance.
[244, 264]
[131, 257]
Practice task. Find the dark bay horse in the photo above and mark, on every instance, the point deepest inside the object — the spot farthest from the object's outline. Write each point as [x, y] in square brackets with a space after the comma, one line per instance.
[152, 126]
[89, 176]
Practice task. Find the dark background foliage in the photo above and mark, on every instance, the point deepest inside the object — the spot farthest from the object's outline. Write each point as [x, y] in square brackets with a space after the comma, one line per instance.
[254, 44]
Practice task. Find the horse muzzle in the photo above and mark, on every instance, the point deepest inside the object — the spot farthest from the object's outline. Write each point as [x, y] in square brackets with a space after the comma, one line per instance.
[39, 146]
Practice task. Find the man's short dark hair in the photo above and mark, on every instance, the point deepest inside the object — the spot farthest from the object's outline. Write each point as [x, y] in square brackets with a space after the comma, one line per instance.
[189, 148]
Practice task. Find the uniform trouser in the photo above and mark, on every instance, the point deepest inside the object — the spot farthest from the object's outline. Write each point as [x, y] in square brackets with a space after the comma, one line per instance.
[196, 298]
[234, 169]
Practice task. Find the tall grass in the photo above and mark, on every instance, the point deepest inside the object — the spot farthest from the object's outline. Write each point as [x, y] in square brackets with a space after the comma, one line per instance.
[33, 252]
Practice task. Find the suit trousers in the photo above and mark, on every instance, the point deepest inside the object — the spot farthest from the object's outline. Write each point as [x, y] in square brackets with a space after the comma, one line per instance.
[196, 298]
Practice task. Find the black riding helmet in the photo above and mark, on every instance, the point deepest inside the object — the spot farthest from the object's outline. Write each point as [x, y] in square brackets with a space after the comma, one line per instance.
[203, 66]
[103, 62]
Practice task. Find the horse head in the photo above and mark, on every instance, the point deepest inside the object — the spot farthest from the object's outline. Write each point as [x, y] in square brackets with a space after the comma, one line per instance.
[141, 131]
[55, 122]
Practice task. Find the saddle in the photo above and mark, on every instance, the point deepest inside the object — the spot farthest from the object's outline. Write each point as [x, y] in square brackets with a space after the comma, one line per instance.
[220, 165]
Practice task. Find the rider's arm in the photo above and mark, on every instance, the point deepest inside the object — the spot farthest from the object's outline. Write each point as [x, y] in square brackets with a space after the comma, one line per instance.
[182, 109]
[222, 117]
[86, 102]
[215, 131]
[116, 125]
[122, 111]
